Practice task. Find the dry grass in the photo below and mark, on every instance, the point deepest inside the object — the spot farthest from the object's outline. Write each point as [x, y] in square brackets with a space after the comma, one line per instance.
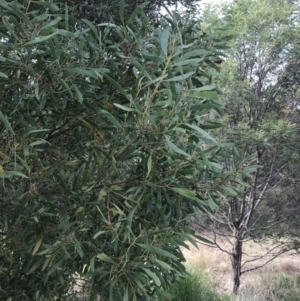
[217, 265]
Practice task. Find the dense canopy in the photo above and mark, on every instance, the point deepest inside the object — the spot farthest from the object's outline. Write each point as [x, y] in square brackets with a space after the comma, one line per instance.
[105, 149]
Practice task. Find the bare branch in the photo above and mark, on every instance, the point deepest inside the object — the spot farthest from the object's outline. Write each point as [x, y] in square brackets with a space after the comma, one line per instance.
[261, 266]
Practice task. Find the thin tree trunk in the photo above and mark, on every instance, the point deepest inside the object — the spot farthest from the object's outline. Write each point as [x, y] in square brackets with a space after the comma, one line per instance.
[236, 260]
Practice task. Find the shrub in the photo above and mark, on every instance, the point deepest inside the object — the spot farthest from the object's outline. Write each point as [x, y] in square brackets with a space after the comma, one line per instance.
[195, 287]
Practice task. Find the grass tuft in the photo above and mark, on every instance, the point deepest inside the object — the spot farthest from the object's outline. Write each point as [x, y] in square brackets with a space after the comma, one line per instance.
[281, 287]
[195, 287]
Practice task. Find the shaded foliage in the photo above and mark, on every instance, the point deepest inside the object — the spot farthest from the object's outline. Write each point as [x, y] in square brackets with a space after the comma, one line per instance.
[105, 151]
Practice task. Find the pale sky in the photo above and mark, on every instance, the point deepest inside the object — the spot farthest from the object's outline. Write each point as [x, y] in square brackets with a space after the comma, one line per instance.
[203, 2]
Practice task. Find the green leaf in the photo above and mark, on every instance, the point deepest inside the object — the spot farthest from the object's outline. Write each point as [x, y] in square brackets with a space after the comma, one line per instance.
[55, 266]
[52, 23]
[186, 193]
[202, 95]
[50, 5]
[230, 190]
[40, 39]
[80, 71]
[111, 118]
[166, 103]
[180, 77]
[152, 276]
[79, 95]
[65, 33]
[149, 165]
[5, 121]
[163, 264]
[202, 132]
[40, 18]
[203, 239]
[251, 169]
[140, 67]
[66, 16]
[4, 4]
[66, 86]
[188, 62]
[193, 53]
[33, 131]
[136, 11]
[104, 257]
[124, 108]
[99, 233]
[175, 148]
[116, 85]
[20, 14]
[35, 266]
[16, 173]
[92, 27]
[3, 75]
[157, 251]
[92, 264]
[164, 41]
[246, 174]
[125, 297]
[38, 142]
[204, 88]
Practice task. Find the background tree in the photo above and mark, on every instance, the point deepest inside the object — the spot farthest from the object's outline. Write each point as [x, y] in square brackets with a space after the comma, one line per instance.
[105, 151]
[261, 95]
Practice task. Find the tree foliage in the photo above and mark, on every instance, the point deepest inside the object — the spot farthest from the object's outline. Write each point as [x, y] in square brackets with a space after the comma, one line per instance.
[261, 95]
[105, 150]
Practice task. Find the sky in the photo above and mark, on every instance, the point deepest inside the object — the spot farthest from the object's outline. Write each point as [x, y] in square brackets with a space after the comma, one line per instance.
[216, 1]
[204, 2]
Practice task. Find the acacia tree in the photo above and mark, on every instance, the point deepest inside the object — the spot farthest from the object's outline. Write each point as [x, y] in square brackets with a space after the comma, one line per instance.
[260, 85]
[105, 151]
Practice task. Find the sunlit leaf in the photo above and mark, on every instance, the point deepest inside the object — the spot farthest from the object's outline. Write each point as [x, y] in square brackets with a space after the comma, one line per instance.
[37, 246]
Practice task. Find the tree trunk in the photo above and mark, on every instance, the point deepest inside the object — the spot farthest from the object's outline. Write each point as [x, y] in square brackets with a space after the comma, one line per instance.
[236, 259]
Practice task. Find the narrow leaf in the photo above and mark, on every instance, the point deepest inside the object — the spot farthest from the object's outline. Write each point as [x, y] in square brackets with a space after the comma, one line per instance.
[116, 85]
[46, 263]
[180, 77]
[47, 4]
[164, 41]
[202, 95]
[125, 298]
[6, 123]
[149, 165]
[164, 265]
[104, 257]
[92, 27]
[175, 148]
[152, 276]
[110, 117]
[124, 108]
[78, 93]
[186, 193]
[157, 251]
[16, 173]
[3, 75]
[53, 22]
[37, 246]
[40, 39]
[188, 62]
[200, 131]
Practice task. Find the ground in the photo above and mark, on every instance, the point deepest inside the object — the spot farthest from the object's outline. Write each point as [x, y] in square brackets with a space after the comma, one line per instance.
[217, 265]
